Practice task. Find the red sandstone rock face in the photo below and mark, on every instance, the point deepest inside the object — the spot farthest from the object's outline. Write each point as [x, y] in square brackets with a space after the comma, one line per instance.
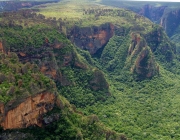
[49, 71]
[92, 38]
[143, 63]
[28, 112]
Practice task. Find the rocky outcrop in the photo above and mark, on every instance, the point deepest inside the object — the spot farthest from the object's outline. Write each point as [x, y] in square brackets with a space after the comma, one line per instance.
[92, 38]
[46, 59]
[164, 15]
[27, 111]
[145, 65]
[141, 59]
[51, 57]
[167, 15]
[98, 81]
[160, 44]
[58, 59]
[154, 13]
[28, 94]
[170, 21]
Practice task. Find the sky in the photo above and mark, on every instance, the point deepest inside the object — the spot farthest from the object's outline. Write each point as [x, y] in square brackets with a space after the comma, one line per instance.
[158, 0]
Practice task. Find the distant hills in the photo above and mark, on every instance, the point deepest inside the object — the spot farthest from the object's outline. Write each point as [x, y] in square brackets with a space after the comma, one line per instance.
[18, 4]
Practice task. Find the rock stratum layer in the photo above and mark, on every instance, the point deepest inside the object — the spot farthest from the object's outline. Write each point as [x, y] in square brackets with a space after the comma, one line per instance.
[27, 111]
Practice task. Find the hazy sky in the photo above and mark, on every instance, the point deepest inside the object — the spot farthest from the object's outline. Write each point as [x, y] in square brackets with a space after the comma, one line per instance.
[158, 0]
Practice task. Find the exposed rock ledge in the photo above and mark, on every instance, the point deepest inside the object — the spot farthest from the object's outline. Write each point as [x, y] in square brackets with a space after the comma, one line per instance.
[26, 112]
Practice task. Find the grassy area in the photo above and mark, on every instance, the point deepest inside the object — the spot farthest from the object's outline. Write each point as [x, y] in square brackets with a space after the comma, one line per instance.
[64, 9]
[87, 13]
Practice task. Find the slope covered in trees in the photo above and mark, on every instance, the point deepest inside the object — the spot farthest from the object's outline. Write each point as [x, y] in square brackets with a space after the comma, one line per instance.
[121, 67]
[46, 55]
[43, 50]
[137, 102]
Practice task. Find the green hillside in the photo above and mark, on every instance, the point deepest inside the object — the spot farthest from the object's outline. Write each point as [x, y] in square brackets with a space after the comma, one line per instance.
[21, 80]
[18, 81]
[129, 79]
[46, 55]
[145, 109]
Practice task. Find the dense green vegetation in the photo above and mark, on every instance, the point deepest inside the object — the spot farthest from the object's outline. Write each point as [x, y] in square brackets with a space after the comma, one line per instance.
[71, 125]
[30, 37]
[75, 76]
[66, 123]
[175, 39]
[80, 80]
[82, 83]
[18, 79]
[142, 108]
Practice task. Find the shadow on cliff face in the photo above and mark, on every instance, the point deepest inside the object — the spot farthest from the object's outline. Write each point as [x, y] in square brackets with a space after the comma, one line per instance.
[99, 51]
[95, 38]
[92, 39]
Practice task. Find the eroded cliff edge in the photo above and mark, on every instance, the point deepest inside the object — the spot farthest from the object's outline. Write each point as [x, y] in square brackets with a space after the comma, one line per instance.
[92, 38]
[25, 93]
[26, 112]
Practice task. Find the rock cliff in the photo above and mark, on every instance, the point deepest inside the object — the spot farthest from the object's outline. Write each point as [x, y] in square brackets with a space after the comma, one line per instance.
[140, 58]
[154, 13]
[25, 94]
[29, 100]
[160, 44]
[142, 61]
[166, 15]
[92, 38]
[26, 112]
[55, 56]
[171, 21]
[1, 48]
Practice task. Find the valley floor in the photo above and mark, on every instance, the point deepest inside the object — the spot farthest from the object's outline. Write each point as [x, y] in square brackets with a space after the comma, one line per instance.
[145, 110]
